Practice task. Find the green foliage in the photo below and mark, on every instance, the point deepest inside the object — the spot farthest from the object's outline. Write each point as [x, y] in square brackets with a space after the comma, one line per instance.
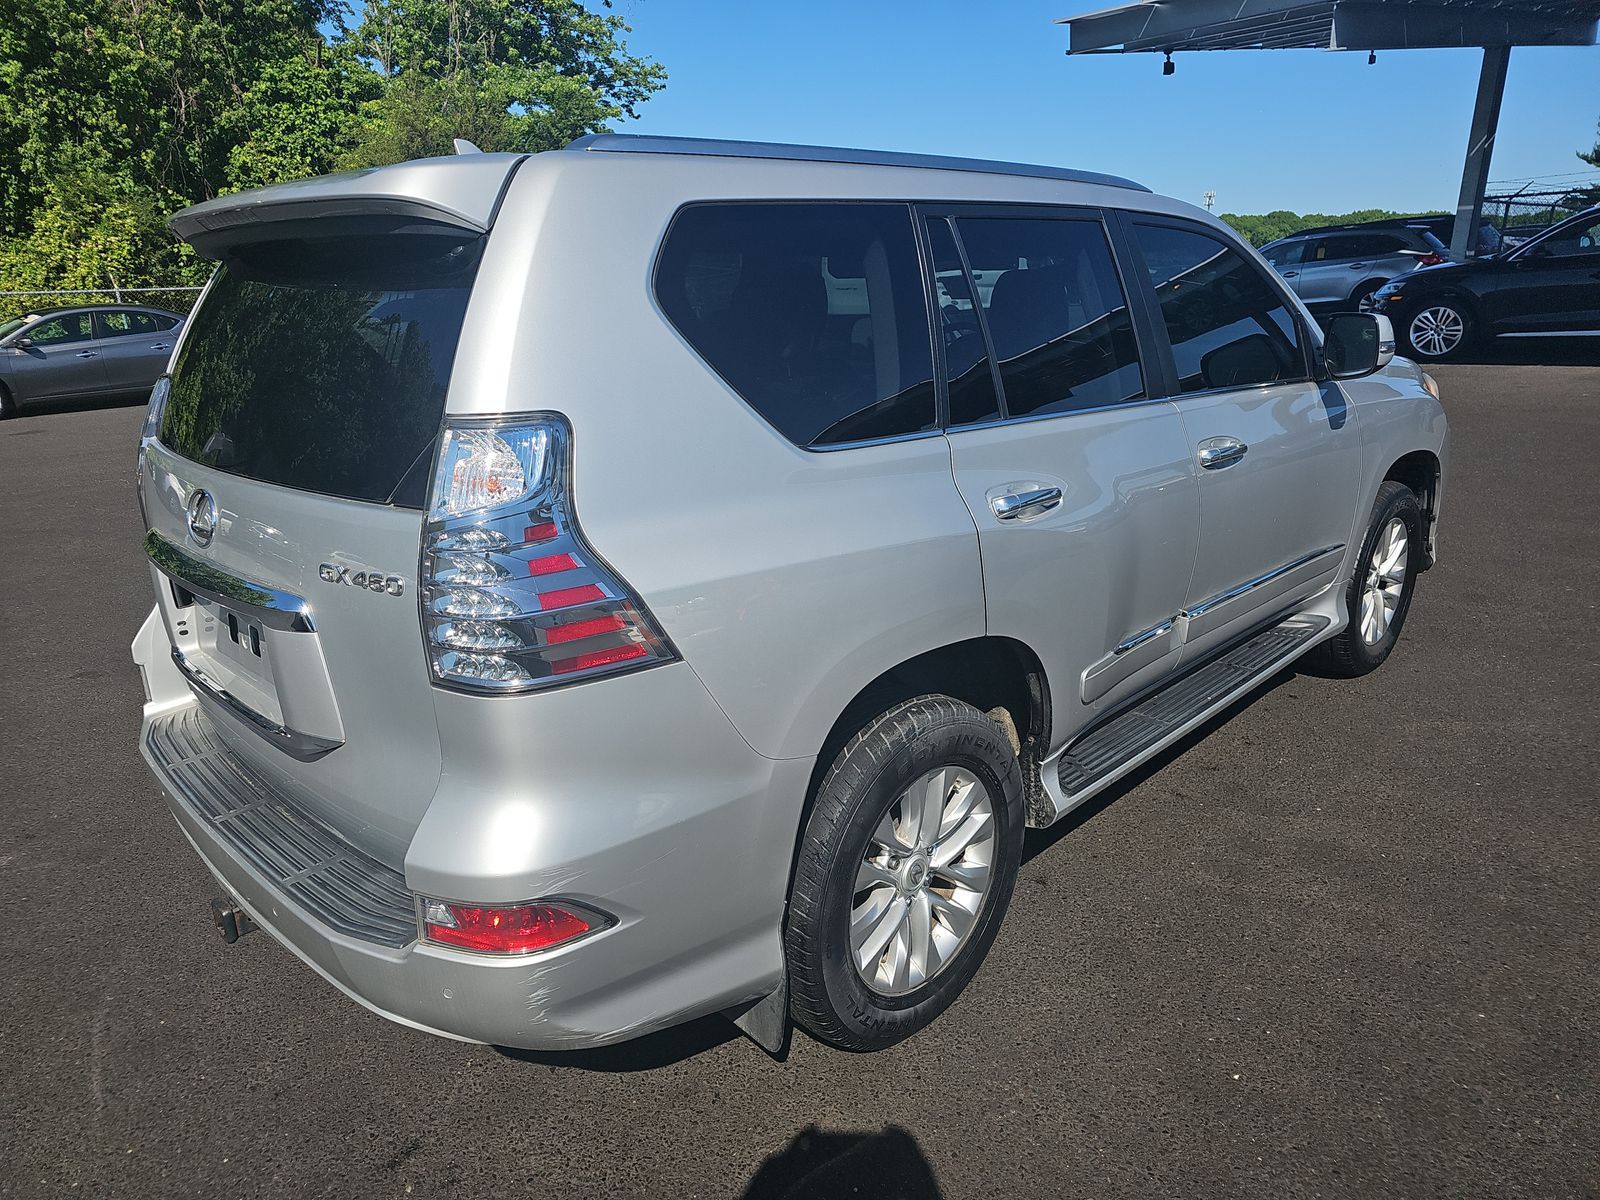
[1259, 230]
[114, 113]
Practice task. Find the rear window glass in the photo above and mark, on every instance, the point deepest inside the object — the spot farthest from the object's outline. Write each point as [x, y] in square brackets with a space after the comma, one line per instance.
[322, 366]
[814, 313]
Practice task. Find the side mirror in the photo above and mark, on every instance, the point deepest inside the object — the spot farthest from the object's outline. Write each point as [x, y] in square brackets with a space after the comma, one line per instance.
[22, 343]
[1357, 344]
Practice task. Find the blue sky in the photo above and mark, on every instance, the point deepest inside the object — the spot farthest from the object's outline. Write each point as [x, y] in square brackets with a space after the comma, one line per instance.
[1303, 130]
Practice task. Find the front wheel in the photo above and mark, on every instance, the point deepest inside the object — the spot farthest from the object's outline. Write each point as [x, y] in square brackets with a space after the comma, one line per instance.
[1379, 593]
[906, 866]
[1436, 329]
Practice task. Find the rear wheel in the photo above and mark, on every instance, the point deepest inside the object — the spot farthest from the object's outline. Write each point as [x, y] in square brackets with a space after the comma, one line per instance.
[1379, 593]
[1436, 329]
[906, 866]
[8, 406]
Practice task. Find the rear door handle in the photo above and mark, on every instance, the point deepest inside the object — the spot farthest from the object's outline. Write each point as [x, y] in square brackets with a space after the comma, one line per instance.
[85, 354]
[1008, 506]
[161, 346]
[1288, 274]
[1219, 452]
[1359, 266]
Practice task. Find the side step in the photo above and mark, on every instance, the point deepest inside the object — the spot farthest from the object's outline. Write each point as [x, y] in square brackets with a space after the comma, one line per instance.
[1109, 749]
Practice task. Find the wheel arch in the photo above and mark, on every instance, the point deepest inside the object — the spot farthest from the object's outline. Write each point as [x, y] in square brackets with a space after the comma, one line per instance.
[989, 672]
[1420, 470]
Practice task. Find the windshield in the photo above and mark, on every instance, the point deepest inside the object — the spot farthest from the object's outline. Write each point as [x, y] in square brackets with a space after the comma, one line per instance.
[322, 365]
[7, 328]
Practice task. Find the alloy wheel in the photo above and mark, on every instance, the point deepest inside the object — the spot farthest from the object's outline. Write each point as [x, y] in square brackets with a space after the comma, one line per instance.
[922, 881]
[1437, 331]
[1385, 582]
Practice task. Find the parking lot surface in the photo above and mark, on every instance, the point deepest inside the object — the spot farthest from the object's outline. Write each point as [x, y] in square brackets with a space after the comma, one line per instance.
[1345, 944]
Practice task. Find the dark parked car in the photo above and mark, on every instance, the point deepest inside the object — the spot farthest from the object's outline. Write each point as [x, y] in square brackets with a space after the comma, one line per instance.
[1549, 285]
[76, 353]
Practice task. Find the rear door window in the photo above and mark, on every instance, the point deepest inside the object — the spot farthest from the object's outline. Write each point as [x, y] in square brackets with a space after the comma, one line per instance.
[126, 324]
[322, 365]
[1057, 318]
[814, 313]
[1228, 326]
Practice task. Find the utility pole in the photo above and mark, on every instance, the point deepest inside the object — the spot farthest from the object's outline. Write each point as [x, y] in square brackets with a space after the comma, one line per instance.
[1210, 199]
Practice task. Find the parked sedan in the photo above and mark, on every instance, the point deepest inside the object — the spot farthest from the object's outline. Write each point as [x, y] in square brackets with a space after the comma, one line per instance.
[77, 353]
[1549, 285]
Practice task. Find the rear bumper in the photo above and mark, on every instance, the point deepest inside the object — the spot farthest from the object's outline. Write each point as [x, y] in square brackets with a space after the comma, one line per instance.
[698, 898]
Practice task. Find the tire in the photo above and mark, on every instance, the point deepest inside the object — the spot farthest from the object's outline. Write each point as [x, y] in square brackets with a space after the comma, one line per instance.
[1378, 595]
[1436, 330]
[1363, 292]
[932, 749]
[8, 406]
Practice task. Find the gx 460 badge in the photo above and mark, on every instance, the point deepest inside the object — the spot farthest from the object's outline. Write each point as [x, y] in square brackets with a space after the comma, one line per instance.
[373, 581]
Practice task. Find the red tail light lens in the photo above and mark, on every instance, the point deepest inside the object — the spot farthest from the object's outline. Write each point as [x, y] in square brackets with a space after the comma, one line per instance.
[1430, 260]
[507, 576]
[506, 929]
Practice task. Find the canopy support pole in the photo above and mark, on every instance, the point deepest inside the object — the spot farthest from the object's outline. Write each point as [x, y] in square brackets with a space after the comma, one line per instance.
[1480, 145]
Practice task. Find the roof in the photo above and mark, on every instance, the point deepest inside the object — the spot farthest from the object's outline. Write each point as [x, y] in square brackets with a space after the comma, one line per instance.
[1167, 26]
[621, 143]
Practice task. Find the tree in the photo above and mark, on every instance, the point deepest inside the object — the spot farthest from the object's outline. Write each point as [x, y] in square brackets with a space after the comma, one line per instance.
[114, 113]
[524, 75]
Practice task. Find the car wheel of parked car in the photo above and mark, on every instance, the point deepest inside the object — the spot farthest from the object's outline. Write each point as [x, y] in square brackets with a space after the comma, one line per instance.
[8, 407]
[1436, 329]
[905, 868]
[1364, 292]
[1379, 594]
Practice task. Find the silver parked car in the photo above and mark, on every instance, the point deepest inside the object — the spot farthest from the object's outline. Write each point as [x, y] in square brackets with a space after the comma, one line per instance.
[80, 353]
[1344, 265]
[668, 576]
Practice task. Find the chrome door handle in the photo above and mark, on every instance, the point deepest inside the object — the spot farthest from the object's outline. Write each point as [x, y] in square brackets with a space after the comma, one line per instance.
[85, 354]
[1011, 505]
[1216, 453]
[161, 346]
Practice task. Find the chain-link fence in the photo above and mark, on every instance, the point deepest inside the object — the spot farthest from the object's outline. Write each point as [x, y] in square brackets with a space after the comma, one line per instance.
[1525, 207]
[174, 299]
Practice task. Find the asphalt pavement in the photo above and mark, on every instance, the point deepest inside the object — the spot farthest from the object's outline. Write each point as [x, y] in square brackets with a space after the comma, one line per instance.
[1342, 944]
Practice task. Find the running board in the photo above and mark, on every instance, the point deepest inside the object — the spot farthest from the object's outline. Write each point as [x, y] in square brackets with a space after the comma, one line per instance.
[1113, 749]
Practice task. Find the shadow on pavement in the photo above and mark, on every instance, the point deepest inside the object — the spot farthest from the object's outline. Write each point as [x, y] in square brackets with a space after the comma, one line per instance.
[646, 1053]
[817, 1165]
[1535, 352]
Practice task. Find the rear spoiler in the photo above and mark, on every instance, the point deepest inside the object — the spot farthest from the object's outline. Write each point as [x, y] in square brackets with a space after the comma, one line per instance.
[459, 195]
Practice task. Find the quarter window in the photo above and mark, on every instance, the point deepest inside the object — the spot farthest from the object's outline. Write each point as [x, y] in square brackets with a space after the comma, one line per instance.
[1228, 326]
[814, 313]
[1058, 320]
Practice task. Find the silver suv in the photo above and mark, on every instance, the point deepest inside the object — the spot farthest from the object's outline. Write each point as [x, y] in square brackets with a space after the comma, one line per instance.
[666, 577]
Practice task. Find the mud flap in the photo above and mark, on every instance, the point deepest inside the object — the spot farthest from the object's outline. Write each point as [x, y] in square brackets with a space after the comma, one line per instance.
[766, 1022]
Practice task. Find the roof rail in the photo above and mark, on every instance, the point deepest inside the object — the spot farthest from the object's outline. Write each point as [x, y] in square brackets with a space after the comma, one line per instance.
[633, 143]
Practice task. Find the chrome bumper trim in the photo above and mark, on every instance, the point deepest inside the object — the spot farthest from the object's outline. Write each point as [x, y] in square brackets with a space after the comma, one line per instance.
[306, 747]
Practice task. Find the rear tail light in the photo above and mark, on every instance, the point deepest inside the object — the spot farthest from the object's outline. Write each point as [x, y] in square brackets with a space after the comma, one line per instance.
[1430, 260]
[508, 928]
[513, 597]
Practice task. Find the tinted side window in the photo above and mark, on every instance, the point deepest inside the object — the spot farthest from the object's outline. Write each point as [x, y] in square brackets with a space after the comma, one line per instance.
[58, 331]
[122, 324]
[966, 358]
[1284, 254]
[1057, 318]
[1227, 325]
[814, 313]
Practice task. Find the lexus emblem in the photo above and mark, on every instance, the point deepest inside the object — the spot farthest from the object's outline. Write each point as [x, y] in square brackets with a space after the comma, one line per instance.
[202, 513]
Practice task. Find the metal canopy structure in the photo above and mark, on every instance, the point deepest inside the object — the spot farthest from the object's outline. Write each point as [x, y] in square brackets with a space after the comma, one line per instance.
[1172, 26]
